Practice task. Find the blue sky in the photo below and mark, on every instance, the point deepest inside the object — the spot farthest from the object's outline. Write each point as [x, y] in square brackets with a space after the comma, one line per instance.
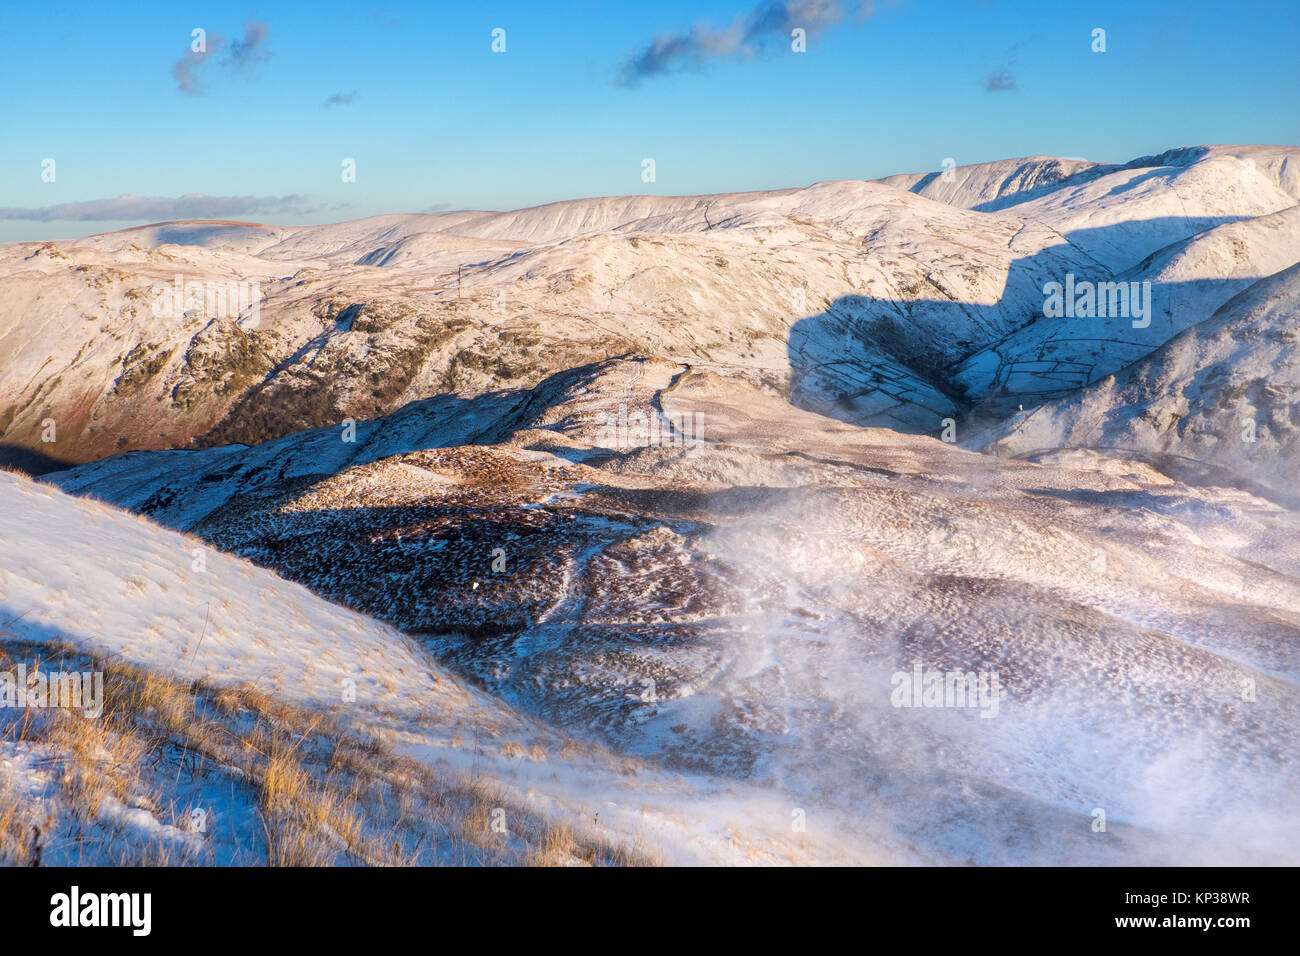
[435, 119]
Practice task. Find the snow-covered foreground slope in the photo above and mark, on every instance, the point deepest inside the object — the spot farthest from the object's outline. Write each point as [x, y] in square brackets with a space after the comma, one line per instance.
[738, 606]
[84, 582]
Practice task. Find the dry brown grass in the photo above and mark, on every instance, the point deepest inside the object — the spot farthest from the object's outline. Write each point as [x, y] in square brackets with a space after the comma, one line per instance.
[511, 750]
[324, 794]
[556, 848]
[22, 825]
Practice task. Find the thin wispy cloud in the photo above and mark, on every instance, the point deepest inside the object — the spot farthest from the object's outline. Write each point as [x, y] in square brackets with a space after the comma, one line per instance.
[340, 99]
[242, 54]
[250, 49]
[999, 81]
[1004, 77]
[184, 69]
[746, 37]
[384, 17]
[156, 208]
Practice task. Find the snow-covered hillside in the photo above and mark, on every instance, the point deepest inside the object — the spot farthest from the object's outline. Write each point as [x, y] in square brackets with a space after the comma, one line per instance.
[1225, 392]
[1189, 281]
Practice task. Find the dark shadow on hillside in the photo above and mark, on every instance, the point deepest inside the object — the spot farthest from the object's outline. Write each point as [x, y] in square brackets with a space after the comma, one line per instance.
[32, 461]
[909, 365]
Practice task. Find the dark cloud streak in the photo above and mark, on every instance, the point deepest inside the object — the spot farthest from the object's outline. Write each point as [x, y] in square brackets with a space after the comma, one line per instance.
[340, 99]
[251, 49]
[999, 81]
[695, 47]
